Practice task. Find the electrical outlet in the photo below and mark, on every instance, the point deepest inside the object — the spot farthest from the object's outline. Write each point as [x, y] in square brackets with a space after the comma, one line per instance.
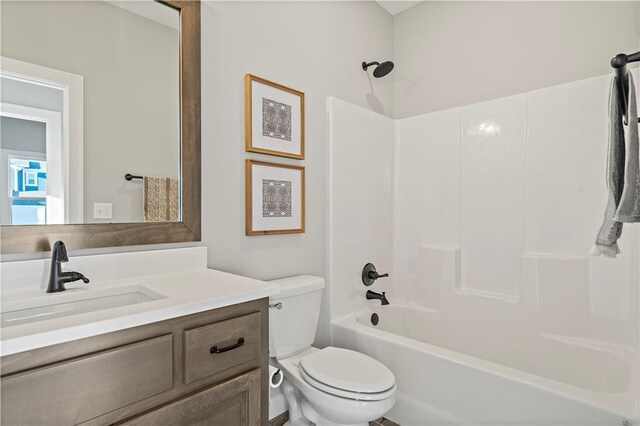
[102, 210]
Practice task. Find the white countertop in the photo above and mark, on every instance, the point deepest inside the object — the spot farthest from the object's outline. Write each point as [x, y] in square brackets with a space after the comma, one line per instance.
[185, 293]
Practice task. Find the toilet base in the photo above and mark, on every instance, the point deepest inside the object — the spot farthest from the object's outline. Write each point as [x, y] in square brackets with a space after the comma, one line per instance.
[318, 420]
[301, 413]
[298, 422]
[308, 423]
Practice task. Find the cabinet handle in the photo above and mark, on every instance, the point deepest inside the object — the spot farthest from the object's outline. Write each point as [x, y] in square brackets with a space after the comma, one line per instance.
[215, 350]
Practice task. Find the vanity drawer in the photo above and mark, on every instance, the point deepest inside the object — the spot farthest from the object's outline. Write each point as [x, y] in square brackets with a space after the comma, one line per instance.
[215, 347]
[80, 389]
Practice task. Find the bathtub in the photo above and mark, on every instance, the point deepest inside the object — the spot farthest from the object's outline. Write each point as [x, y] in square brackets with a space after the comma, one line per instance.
[450, 372]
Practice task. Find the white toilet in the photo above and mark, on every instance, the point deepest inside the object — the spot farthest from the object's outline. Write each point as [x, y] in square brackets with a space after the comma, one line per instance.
[330, 386]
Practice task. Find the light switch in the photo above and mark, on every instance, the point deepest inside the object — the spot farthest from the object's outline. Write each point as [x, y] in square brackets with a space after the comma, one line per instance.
[102, 211]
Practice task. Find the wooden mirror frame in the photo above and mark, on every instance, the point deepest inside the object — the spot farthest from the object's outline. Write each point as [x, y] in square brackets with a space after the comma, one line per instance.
[38, 238]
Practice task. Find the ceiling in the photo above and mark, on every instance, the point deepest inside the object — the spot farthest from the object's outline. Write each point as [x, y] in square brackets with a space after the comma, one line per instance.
[396, 6]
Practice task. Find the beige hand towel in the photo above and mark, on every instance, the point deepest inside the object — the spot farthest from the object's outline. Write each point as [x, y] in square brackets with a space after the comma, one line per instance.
[161, 199]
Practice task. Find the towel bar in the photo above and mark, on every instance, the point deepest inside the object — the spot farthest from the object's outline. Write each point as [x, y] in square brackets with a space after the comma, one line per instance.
[619, 63]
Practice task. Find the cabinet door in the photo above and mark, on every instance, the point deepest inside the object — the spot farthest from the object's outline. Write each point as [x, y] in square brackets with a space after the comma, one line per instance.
[76, 390]
[233, 403]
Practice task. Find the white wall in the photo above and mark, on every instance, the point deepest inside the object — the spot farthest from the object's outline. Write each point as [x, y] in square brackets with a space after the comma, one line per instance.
[361, 181]
[130, 67]
[452, 53]
[314, 47]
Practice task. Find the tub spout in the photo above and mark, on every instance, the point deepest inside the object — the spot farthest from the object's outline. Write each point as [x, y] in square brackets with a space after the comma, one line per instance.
[372, 295]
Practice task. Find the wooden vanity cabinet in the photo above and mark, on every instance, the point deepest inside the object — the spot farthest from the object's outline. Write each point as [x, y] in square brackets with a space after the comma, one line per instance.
[209, 368]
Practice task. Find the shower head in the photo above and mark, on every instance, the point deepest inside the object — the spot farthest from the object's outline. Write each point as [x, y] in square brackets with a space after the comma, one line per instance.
[381, 69]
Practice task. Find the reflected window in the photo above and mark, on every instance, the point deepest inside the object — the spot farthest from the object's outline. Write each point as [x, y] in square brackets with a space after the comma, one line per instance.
[28, 191]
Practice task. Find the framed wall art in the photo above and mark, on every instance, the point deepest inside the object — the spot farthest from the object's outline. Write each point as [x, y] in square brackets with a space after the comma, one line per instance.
[274, 118]
[275, 201]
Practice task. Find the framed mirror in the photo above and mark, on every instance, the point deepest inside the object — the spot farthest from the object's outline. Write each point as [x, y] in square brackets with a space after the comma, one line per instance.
[100, 123]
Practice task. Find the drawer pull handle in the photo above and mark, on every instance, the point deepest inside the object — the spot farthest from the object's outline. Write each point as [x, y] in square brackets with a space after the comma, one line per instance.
[215, 350]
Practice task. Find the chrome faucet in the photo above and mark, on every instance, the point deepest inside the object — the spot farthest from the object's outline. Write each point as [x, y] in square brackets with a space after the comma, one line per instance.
[57, 278]
[372, 295]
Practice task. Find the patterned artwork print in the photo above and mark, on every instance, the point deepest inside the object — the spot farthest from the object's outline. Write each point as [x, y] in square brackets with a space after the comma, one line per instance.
[276, 119]
[276, 198]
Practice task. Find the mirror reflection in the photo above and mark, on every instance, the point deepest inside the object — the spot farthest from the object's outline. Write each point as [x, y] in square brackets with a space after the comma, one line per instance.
[89, 92]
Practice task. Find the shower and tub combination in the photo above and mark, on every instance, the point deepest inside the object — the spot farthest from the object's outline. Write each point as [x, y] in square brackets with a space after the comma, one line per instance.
[484, 219]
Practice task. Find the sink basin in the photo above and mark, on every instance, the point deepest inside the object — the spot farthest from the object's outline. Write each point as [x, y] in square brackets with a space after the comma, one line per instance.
[72, 302]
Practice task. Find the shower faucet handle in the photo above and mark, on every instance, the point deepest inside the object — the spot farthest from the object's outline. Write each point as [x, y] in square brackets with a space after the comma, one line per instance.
[370, 275]
[375, 275]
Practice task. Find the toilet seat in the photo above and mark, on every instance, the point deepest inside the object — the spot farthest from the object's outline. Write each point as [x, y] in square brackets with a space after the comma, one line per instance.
[347, 374]
[356, 396]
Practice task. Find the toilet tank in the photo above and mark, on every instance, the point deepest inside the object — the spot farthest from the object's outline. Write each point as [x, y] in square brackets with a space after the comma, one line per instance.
[294, 314]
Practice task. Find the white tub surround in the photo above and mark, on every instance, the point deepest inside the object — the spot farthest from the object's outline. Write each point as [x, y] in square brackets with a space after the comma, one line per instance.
[492, 212]
[174, 292]
[361, 182]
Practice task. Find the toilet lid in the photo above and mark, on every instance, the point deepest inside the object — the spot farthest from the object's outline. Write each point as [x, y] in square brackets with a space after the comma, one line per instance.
[348, 370]
[357, 396]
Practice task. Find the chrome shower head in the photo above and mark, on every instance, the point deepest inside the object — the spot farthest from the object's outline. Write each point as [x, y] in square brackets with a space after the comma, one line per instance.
[381, 69]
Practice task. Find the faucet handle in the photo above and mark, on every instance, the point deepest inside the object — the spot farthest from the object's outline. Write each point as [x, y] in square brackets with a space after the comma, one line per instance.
[60, 252]
[75, 276]
[374, 275]
[370, 275]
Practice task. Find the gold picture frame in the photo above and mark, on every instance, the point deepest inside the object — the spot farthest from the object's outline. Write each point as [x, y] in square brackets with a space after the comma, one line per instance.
[283, 210]
[283, 134]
